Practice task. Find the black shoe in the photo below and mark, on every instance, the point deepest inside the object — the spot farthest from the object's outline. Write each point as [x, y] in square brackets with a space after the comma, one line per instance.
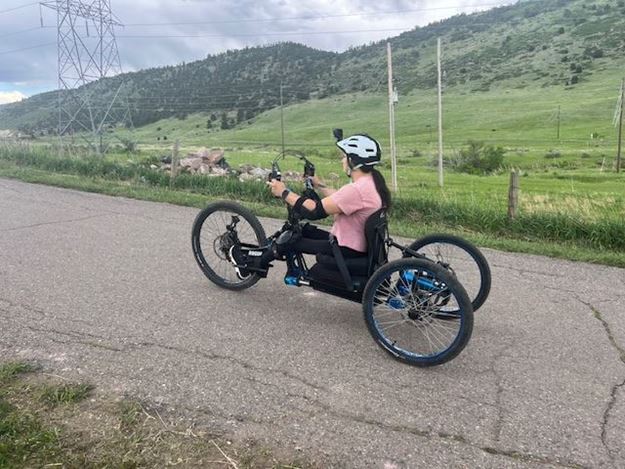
[239, 260]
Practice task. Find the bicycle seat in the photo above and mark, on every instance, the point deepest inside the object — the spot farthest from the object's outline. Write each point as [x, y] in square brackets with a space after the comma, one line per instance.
[376, 255]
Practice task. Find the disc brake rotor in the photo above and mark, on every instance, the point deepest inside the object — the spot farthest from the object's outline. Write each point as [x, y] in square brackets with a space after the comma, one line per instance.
[221, 246]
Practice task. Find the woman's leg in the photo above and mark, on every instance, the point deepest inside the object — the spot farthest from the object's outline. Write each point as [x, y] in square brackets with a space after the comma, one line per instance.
[312, 232]
[313, 241]
[318, 246]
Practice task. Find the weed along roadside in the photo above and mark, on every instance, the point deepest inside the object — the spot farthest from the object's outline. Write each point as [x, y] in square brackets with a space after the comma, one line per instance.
[48, 421]
[551, 219]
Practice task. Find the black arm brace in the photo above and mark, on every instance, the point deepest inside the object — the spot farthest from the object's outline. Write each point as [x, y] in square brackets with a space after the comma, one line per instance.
[317, 214]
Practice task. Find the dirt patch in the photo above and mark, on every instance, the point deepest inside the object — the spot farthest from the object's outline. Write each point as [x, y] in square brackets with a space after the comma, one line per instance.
[46, 421]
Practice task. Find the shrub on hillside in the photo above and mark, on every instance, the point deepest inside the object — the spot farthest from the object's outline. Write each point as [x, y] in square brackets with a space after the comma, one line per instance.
[128, 144]
[552, 154]
[478, 158]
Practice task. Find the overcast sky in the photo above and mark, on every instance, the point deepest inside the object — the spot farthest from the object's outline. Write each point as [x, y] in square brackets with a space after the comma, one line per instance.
[227, 24]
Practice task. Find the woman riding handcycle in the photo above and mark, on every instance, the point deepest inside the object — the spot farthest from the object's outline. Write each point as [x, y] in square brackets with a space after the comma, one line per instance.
[414, 307]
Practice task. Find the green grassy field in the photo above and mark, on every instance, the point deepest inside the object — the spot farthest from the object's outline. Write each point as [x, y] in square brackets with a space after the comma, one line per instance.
[570, 193]
[580, 224]
[523, 121]
[517, 118]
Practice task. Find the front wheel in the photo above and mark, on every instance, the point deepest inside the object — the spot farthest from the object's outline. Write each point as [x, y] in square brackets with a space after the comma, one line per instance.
[216, 230]
[460, 257]
[418, 312]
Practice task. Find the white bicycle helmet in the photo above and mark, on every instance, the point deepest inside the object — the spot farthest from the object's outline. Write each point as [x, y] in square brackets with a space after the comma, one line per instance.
[361, 150]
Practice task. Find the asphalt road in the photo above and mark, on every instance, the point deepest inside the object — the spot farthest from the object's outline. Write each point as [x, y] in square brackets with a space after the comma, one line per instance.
[106, 290]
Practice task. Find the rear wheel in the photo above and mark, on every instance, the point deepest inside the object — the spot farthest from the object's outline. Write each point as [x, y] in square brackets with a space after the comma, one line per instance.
[212, 242]
[418, 312]
[460, 257]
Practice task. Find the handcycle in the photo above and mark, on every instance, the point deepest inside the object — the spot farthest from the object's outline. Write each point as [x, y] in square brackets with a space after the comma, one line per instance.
[415, 307]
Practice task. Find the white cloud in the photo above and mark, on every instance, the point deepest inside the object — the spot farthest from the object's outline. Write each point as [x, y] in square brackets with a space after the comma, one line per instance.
[11, 96]
[157, 31]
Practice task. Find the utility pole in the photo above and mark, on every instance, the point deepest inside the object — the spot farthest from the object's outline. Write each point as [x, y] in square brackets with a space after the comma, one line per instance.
[282, 117]
[558, 118]
[391, 116]
[620, 126]
[440, 115]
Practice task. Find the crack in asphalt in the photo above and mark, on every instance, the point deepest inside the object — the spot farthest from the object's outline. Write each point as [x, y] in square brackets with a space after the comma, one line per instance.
[77, 338]
[243, 364]
[17, 228]
[526, 271]
[545, 287]
[73, 334]
[621, 355]
[460, 398]
[12, 304]
[492, 369]
[497, 427]
[39, 312]
[428, 434]
[525, 457]
[87, 343]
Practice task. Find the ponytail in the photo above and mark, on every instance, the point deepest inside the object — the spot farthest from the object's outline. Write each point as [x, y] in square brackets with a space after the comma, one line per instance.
[380, 186]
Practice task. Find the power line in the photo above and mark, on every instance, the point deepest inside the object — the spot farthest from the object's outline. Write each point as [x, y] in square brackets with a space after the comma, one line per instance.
[27, 48]
[20, 32]
[19, 7]
[300, 18]
[43, 28]
[282, 33]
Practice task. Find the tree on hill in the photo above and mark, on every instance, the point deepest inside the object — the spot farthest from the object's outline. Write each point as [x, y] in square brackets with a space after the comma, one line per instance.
[224, 121]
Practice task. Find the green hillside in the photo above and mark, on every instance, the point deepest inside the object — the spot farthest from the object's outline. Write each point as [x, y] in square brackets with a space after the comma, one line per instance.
[529, 50]
[520, 119]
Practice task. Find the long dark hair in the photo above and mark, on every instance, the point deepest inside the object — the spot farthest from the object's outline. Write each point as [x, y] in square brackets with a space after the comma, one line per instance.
[380, 185]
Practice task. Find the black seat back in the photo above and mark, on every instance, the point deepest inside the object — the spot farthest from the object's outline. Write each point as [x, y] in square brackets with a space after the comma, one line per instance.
[376, 229]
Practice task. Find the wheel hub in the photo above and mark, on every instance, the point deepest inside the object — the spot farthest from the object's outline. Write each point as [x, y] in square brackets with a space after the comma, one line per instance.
[221, 246]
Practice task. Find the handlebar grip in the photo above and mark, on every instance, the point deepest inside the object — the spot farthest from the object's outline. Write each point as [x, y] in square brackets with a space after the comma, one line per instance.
[275, 172]
[309, 169]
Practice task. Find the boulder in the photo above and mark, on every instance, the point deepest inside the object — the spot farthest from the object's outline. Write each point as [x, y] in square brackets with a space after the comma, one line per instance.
[201, 153]
[245, 168]
[260, 173]
[219, 171]
[246, 177]
[215, 157]
[291, 176]
[191, 163]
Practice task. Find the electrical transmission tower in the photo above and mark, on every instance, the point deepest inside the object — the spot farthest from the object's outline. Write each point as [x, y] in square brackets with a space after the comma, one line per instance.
[87, 51]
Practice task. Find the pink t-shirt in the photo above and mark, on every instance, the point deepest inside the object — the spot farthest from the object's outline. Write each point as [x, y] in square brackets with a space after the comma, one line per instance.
[357, 200]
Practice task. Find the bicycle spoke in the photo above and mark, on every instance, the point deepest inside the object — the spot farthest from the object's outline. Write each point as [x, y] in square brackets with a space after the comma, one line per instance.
[213, 228]
[416, 324]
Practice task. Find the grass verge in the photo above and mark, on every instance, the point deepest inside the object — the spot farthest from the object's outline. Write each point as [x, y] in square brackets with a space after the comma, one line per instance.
[413, 221]
[48, 422]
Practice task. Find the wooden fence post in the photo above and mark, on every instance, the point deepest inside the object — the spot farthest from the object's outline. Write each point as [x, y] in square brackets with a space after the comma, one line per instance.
[174, 163]
[513, 195]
